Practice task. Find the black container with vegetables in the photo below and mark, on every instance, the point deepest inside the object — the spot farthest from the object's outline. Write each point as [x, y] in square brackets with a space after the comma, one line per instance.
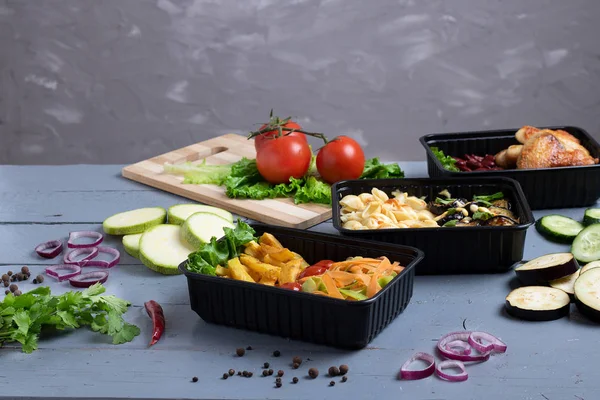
[286, 312]
[459, 247]
[544, 188]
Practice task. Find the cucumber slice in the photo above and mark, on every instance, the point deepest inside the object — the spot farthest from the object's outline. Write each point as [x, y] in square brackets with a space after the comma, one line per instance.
[200, 227]
[178, 213]
[558, 228]
[586, 246]
[162, 250]
[131, 243]
[134, 221]
[593, 264]
[549, 267]
[591, 216]
[587, 294]
[538, 303]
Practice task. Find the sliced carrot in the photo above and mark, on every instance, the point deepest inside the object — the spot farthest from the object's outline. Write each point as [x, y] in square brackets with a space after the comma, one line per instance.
[342, 278]
[332, 290]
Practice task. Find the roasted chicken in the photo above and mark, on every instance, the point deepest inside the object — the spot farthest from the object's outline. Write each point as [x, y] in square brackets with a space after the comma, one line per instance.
[545, 148]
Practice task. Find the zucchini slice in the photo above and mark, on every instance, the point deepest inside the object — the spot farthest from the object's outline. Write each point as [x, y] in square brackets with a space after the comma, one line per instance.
[162, 250]
[586, 246]
[134, 221]
[591, 216]
[547, 268]
[593, 264]
[200, 227]
[558, 228]
[566, 284]
[538, 303]
[178, 213]
[131, 244]
[587, 294]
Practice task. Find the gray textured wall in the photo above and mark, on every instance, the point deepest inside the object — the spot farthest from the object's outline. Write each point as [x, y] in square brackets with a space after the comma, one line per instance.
[116, 81]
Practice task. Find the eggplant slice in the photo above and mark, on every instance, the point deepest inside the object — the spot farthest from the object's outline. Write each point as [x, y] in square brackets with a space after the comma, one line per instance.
[499, 220]
[593, 264]
[538, 303]
[567, 283]
[587, 294]
[502, 211]
[547, 268]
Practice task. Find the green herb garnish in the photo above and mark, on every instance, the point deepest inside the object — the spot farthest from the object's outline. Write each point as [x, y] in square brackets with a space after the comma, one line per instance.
[490, 197]
[483, 216]
[444, 201]
[448, 162]
[452, 222]
[23, 317]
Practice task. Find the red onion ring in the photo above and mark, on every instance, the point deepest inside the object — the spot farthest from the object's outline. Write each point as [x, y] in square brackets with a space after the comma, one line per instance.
[49, 249]
[462, 336]
[92, 252]
[53, 271]
[463, 376]
[102, 263]
[88, 234]
[88, 279]
[494, 343]
[464, 346]
[407, 374]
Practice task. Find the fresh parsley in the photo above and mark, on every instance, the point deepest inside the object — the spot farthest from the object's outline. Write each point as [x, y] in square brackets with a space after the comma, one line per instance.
[490, 197]
[23, 317]
[448, 162]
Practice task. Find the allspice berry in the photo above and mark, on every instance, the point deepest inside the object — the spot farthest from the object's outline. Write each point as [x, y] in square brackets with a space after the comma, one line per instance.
[313, 372]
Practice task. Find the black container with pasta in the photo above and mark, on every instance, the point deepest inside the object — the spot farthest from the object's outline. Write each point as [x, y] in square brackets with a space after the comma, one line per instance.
[448, 249]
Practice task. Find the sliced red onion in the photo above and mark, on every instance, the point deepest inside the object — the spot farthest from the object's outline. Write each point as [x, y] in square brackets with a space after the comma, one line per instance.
[102, 263]
[464, 346]
[88, 234]
[53, 271]
[88, 279]
[407, 374]
[90, 252]
[495, 344]
[462, 336]
[463, 376]
[49, 249]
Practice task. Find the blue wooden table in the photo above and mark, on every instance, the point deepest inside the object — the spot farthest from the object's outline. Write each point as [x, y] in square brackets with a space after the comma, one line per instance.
[550, 360]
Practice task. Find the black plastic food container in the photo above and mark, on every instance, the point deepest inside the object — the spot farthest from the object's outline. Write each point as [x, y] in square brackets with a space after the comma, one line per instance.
[448, 250]
[544, 188]
[305, 316]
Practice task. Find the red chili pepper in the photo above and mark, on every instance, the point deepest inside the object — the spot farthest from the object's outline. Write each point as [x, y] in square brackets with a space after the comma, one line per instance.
[155, 312]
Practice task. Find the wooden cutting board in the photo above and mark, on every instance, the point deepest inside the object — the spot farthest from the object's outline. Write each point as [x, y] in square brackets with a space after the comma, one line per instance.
[224, 150]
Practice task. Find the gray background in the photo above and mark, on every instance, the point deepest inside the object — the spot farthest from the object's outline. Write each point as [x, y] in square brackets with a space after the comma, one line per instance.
[117, 81]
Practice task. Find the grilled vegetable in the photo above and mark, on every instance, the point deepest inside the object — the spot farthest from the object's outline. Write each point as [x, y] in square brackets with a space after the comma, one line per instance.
[538, 303]
[558, 228]
[587, 293]
[499, 220]
[547, 268]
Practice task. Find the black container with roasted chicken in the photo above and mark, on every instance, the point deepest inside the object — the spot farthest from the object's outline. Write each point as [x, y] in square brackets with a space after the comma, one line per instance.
[557, 166]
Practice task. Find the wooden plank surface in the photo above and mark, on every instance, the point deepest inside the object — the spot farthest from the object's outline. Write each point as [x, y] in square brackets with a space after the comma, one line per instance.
[551, 360]
[224, 150]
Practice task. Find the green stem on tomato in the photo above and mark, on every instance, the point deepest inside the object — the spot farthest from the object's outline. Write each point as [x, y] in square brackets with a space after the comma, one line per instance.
[281, 129]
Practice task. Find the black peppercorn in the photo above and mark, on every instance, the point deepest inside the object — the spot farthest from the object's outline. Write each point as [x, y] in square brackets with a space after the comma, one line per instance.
[19, 276]
[295, 380]
[249, 348]
[334, 371]
[270, 372]
[313, 372]
[6, 283]
[343, 369]
[25, 269]
[250, 374]
[195, 379]
[297, 360]
[240, 352]
[344, 378]
[276, 353]
[332, 383]
[225, 376]
[25, 277]
[34, 281]
[239, 373]
[265, 372]
[245, 373]
[40, 278]
[6, 291]
[295, 366]
[278, 384]
[9, 273]
[231, 372]
[266, 365]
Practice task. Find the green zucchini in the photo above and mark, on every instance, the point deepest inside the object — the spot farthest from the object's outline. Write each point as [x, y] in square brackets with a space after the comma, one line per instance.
[134, 221]
[178, 213]
[131, 244]
[162, 250]
[558, 228]
[586, 246]
[201, 227]
[591, 216]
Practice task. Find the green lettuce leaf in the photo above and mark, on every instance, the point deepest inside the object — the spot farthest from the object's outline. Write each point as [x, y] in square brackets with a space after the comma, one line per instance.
[448, 162]
[375, 169]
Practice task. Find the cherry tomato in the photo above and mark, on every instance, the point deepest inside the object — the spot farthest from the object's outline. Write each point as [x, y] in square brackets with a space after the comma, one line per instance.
[295, 286]
[260, 140]
[316, 269]
[340, 159]
[283, 157]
